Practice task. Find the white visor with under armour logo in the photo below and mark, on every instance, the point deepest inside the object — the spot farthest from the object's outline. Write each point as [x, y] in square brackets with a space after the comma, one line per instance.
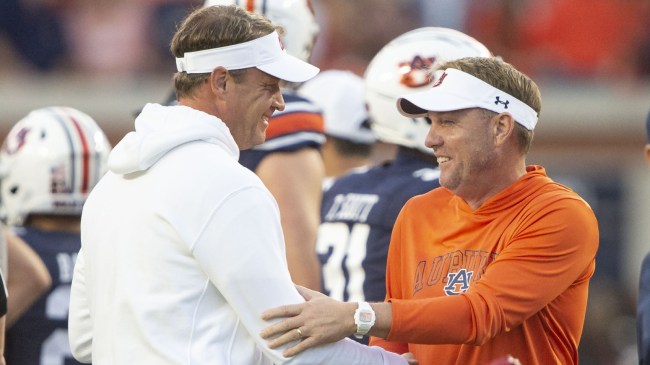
[456, 90]
[266, 53]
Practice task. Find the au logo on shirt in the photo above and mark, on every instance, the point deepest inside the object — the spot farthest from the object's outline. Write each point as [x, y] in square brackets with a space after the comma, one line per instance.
[458, 282]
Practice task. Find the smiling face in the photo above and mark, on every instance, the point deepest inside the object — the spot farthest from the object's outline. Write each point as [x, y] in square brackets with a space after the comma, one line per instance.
[250, 103]
[463, 143]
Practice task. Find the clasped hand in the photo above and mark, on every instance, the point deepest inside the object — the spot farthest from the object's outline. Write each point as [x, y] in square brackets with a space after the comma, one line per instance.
[317, 321]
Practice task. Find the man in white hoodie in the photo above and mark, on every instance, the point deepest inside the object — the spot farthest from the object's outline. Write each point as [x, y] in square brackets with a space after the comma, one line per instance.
[182, 247]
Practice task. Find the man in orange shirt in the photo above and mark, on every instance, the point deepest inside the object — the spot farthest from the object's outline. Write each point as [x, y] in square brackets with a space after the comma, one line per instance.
[496, 261]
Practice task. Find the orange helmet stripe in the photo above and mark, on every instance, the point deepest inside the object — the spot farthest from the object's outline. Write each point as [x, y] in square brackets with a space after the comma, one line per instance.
[294, 122]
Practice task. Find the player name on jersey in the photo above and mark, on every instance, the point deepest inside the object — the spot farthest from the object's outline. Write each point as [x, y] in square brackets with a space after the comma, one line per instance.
[353, 207]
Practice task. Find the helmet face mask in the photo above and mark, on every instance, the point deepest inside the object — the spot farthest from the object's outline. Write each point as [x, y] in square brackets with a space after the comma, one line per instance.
[295, 16]
[49, 162]
[403, 66]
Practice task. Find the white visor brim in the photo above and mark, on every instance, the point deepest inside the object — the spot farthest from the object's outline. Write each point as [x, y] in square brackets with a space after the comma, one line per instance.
[456, 90]
[266, 53]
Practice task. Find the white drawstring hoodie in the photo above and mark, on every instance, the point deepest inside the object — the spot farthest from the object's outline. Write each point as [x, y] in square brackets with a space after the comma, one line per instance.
[182, 250]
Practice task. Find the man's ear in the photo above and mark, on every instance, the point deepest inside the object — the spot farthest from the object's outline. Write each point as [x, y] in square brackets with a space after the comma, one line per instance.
[219, 79]
[504, 126]
[647, 154]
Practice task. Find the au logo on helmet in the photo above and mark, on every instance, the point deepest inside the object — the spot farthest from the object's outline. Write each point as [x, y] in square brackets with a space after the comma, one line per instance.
[415, 73]
[16, 142]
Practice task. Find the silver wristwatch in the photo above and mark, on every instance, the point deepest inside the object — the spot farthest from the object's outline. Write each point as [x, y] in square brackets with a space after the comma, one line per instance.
[364, 318]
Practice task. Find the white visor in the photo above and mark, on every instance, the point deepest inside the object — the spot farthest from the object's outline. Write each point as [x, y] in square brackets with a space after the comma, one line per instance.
[456, 90]
[265, 53]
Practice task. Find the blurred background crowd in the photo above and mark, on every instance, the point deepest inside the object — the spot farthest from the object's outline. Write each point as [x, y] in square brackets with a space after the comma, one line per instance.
[591, 59]
[582, 39]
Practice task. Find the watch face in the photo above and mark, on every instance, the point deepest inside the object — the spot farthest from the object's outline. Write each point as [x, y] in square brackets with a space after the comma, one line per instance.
[365, 317]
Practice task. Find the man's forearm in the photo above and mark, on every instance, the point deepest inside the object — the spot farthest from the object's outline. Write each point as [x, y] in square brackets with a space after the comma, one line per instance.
[383, 319]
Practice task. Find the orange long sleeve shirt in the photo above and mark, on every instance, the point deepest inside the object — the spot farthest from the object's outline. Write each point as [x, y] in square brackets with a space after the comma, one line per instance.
[510, 277]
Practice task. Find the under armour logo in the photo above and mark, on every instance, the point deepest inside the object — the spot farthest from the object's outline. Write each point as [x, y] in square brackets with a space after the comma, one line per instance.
[505, 103]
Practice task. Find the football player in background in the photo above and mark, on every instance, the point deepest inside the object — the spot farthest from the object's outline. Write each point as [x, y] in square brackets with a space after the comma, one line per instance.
[50, 160]
[27, 276]
[289, 161]
[28, 280]
[348, 138]
[359, 210]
